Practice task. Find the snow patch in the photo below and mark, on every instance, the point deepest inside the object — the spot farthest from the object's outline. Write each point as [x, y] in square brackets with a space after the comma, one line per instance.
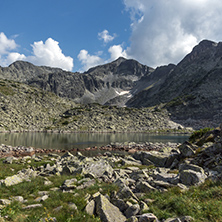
[122, 93]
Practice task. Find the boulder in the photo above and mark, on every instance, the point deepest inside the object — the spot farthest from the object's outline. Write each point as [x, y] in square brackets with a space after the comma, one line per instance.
[187, 149]
[154, 157]
[96, 168]
[90, 208]
[120, 204]
[126, 193]
[5, 201]
[69, 184]
[107, 211]
[32, 206]
[12, 180]
[132, 210]
[193, 167]
[190, 177]
[144, 187]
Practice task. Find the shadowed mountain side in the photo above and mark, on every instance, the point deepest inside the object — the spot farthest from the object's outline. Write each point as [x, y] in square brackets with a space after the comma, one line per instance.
[192, 89]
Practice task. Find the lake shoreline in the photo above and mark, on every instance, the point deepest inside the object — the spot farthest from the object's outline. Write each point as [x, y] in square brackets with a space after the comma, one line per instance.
[124, 148]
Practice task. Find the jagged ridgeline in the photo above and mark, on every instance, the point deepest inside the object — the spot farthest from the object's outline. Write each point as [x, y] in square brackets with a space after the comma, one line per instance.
[190, 91]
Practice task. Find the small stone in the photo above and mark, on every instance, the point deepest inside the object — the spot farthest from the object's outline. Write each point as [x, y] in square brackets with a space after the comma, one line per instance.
[32, 206]
[72, 206]
[57, 209]
[149, 217]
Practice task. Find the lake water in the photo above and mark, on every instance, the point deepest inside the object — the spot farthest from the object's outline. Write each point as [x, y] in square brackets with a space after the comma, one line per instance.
[83, 140]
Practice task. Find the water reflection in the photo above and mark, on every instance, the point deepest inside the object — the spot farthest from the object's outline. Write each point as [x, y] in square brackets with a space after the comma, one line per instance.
[83, 140]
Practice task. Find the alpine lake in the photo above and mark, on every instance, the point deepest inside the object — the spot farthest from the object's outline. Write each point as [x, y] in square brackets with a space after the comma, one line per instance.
[70, 141]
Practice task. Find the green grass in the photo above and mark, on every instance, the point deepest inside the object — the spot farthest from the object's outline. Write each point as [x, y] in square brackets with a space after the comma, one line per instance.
[203, 203]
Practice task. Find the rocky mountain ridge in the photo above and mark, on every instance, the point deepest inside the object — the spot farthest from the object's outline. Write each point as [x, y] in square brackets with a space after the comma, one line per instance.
[99, 84]
[190, 91]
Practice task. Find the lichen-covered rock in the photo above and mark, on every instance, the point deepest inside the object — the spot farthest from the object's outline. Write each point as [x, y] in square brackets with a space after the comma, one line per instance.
[69, 184]
[97, 168]
[12, 180]
[90, 207]
[5, 202]
[107, 211]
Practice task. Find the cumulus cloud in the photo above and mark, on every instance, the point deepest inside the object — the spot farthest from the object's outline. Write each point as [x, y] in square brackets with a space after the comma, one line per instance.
[165, 31]
[88, 60]
[117, 51]
[14, 56]
[6, 44]
[104, 35]
[50, 54]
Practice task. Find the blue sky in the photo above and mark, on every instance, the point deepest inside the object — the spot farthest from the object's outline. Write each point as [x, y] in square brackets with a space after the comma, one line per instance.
[76, 35]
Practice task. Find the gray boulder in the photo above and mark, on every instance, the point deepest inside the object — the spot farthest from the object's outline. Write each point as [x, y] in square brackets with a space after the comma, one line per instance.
[107, 211]
[144, 187]
[187, 149]
[132, 210]
[154, 157]
[190, 177]
[90, 207]
[190, 174]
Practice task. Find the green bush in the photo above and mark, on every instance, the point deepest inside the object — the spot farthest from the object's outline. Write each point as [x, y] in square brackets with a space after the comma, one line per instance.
[196, 135]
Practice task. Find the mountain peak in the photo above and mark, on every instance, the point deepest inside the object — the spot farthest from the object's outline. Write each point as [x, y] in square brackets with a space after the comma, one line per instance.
[206, 43]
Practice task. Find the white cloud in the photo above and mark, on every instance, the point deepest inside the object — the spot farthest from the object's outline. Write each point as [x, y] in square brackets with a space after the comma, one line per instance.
[104, 35]
[50, 54]
[14, 56]
[165, 31]
[117, 51]
[6, 44]
[88, 60]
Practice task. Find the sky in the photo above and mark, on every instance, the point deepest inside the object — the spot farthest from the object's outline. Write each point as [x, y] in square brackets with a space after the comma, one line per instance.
[77, 35]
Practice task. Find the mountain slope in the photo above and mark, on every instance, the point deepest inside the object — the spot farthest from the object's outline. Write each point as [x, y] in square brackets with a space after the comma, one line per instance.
[99, 84]
[25, 108]
[192, 89]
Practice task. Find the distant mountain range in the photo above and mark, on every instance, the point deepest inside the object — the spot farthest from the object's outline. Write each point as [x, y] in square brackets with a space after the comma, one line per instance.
[192, 89]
